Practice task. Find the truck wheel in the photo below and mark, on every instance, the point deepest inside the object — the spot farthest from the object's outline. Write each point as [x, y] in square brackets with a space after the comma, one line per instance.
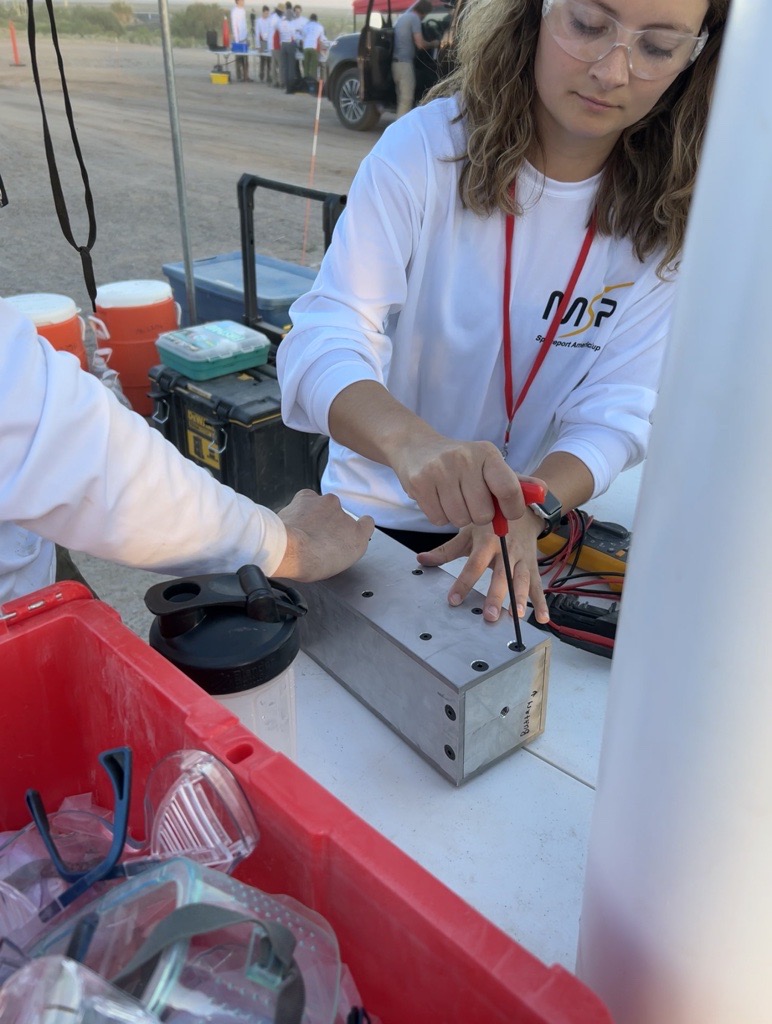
[352, 112]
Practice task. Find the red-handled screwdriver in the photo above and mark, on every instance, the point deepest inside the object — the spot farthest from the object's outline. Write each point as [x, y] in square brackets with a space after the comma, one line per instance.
[533, 493]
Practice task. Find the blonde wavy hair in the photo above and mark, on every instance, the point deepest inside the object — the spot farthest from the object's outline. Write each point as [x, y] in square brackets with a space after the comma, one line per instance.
[647, 182]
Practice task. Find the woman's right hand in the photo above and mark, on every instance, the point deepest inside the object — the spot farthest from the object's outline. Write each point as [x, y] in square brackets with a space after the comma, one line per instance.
[452, 481]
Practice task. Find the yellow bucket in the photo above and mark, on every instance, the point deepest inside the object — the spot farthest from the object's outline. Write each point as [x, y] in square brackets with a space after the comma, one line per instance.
[219, 77]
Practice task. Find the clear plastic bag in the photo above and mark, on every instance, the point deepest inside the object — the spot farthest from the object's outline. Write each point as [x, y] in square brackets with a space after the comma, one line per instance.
[98, 365]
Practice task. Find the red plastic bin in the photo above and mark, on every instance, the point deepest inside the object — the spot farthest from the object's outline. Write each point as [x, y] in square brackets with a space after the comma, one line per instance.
[76, 681]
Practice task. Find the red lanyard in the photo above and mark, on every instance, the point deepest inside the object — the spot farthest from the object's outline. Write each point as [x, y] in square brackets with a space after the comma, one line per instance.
[512, 405]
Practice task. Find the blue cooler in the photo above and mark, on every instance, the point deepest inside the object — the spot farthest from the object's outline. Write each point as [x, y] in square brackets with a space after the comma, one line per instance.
[219, 283]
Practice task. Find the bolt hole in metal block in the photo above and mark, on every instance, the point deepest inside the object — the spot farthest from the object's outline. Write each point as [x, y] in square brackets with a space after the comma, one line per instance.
[453, 689]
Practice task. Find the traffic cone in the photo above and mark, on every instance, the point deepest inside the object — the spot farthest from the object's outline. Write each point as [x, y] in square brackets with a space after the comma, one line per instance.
[14, 46]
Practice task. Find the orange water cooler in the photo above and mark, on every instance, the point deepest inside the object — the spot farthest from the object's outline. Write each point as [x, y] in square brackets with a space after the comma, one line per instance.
[129, 317]
[56, 319]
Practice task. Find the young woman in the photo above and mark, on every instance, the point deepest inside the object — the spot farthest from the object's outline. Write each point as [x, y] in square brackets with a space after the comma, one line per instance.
[497, 295]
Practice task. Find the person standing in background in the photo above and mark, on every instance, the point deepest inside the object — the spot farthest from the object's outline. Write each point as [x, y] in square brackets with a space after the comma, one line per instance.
[300, 25]
[408, 39]
[240, 34]
[300, 19]
[313, 40]
[275, 38]
[263, 32]
[289, 49]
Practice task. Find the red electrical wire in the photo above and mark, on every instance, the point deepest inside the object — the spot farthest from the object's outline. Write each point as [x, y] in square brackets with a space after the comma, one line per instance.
[562, 578]
[580, 634]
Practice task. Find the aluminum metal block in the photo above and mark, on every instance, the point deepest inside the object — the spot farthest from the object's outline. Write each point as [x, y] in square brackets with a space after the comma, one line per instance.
[448, 682]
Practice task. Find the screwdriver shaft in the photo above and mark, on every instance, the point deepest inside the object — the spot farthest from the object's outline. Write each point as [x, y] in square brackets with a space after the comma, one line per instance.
[519, 645]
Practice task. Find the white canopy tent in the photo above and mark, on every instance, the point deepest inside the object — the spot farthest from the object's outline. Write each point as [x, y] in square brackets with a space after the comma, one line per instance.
[677, 912]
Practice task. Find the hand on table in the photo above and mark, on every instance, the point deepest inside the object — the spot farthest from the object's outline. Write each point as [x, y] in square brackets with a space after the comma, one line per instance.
[483, 549]
[322, 539]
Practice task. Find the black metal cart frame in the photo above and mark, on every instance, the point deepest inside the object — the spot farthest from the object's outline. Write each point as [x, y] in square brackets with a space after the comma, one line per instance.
[333, 205]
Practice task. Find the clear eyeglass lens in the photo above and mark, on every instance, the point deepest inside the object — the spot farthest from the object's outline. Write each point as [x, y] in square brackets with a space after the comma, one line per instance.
[588, 33]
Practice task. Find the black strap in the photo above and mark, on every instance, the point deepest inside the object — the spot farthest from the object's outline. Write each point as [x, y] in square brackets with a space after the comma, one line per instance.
[274, 952]
[56, 185]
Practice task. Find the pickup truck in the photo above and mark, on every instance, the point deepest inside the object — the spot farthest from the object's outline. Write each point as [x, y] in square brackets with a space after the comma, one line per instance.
[359, 79]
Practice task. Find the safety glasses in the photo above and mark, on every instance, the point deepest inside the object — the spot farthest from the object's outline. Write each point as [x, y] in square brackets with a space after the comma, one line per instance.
[587, 32]
[117, 765]
[194, 807]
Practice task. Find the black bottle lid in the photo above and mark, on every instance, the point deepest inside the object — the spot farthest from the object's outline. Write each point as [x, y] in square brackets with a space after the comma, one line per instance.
[228, 632]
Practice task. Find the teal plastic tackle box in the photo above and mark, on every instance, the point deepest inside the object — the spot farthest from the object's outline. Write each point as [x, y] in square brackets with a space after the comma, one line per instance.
[212, 349]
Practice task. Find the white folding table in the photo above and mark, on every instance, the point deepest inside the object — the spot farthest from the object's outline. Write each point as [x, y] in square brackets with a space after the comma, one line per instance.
[512, 841]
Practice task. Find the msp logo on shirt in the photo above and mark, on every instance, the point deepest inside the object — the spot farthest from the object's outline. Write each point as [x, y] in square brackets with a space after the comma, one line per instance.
[582, 314]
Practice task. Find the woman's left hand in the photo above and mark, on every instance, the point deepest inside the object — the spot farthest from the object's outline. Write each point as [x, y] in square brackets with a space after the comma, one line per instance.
[483, 549]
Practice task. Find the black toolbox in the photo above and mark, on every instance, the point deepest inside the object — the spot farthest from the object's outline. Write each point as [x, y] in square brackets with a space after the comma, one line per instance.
[232, 426]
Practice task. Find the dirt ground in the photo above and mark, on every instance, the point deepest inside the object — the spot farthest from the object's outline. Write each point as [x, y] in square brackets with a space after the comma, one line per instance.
[119, 99]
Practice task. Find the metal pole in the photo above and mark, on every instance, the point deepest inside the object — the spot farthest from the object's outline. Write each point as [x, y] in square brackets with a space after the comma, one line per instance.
[179, 169]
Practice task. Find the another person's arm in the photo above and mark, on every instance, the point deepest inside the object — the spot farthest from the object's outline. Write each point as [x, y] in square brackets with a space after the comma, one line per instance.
[332, 366]
[445, 477]
[78, 468]
[322, 539]
[422, 43]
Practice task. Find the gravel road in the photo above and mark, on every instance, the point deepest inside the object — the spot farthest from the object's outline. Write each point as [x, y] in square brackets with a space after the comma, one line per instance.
[119, 98]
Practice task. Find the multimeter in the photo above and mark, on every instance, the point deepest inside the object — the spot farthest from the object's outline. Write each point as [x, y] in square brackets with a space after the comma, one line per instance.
[581, 622]
[604, 548]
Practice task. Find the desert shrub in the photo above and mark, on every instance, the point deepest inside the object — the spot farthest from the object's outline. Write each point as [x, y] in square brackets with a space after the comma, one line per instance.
[124, 13]
[77, 20]
[196, 20]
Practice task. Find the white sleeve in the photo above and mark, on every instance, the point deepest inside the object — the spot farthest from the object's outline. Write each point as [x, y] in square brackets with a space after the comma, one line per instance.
[606, 421]
[79, 468]
[339, 326]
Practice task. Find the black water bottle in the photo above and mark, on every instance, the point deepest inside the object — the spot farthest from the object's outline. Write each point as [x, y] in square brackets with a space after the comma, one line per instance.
[235, 634]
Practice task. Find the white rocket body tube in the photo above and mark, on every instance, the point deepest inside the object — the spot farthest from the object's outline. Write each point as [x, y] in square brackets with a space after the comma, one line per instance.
[677, 915]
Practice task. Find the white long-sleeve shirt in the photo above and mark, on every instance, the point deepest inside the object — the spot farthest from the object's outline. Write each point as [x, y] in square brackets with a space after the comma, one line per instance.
[78, 468]
[239, 32]
[410, 295]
